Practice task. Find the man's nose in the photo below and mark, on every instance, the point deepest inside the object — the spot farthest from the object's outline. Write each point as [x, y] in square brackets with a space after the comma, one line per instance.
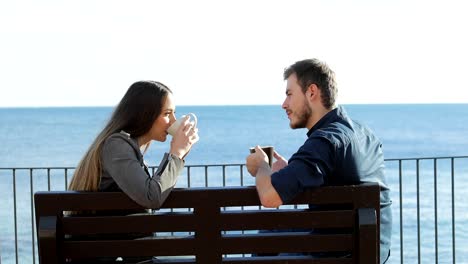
[285, 104]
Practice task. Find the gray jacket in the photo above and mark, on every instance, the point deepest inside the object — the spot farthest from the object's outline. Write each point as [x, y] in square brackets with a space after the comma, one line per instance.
[123, 169]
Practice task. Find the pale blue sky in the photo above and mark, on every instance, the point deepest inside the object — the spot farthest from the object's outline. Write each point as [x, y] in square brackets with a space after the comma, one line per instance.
[87, 52]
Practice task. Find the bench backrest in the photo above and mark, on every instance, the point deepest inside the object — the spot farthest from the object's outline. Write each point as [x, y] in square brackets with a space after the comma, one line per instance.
[214, 225]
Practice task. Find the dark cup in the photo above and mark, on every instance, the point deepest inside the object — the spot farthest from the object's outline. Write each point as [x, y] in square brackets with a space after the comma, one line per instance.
[268, 151]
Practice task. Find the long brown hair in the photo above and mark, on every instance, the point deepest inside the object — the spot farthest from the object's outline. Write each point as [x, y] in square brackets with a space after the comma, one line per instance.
[135, 114]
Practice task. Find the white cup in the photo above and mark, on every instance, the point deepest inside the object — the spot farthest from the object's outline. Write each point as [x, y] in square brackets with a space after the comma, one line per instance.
[173, 128]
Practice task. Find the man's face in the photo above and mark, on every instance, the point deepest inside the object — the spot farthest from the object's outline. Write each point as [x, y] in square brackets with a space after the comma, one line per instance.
[296, 104]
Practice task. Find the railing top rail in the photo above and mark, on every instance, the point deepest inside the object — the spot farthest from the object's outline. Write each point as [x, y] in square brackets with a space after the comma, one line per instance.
[68, 167]
[36, 168]
[428, 158]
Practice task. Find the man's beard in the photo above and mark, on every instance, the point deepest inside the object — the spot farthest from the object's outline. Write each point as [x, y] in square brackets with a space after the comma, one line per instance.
[302, 117]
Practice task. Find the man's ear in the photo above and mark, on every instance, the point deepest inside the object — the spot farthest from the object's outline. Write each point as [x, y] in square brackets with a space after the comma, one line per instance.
[312, 90]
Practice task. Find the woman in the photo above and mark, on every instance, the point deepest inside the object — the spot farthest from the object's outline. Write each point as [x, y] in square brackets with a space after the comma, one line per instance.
[114, 162]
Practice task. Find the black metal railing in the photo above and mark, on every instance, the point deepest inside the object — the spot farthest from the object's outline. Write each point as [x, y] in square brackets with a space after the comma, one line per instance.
[429, 208]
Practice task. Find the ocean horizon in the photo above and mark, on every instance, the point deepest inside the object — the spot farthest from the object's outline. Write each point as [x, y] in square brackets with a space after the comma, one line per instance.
[59, 136]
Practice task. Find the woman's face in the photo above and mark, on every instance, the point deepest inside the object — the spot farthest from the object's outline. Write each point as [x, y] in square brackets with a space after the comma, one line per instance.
[158, 131]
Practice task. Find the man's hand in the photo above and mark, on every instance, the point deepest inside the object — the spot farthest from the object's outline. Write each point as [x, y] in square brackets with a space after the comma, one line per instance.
[279, 163]
[256, 160]
[257, 165]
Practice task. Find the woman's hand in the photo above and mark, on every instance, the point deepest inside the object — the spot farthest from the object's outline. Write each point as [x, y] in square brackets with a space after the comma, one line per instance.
[185, 137]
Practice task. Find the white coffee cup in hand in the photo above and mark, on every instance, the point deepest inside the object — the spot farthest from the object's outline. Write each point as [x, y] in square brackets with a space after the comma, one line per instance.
[175, 126]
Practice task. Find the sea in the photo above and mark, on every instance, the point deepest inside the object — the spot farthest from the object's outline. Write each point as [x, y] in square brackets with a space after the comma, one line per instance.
[59, 136]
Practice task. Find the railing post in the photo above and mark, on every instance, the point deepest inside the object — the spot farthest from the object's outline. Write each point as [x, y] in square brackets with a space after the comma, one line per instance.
[15, 216]
[452, 166]
[32, 213]
[401, 208]
[418, 210]
[436, 231]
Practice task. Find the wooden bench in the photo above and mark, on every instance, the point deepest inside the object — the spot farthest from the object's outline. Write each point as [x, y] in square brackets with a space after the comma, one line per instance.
[212, 225]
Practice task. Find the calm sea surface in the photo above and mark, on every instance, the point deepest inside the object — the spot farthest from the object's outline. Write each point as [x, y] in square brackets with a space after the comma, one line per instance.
[52, 137]
[60, 136]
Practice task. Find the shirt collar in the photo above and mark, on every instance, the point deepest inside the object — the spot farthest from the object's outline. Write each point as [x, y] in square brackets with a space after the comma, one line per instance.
[327, 119]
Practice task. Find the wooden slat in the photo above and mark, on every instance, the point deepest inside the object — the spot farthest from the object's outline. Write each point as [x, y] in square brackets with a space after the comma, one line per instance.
[285, 242]
[280, 219]
[54, 201]
[130, 248]
[167, 222]
[229, 220]
[286, 260]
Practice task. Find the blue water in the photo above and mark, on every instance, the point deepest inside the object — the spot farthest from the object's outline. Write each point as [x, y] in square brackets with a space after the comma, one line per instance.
[60, 136]
[51, 137]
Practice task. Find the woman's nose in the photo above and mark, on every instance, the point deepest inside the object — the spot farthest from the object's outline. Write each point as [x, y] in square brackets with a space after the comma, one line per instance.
[173, 119]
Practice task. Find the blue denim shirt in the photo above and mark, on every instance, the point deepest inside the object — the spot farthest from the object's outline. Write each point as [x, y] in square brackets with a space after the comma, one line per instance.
[338, 151]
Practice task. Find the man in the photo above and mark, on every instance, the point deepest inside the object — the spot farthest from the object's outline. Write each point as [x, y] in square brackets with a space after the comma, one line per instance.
[338, 150]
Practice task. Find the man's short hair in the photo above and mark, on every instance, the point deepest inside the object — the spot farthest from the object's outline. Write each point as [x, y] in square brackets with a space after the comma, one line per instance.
[314, 71]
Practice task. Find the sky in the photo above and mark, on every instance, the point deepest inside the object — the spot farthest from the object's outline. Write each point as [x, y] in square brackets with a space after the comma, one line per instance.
[213, 52]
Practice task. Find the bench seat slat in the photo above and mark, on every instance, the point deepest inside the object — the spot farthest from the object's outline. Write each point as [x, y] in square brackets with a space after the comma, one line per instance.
[230, 244]
[187, 222]
[277, 219]
[285, 242]
[129, 224]
[183, 198]
[286, 260]
[130, 248]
